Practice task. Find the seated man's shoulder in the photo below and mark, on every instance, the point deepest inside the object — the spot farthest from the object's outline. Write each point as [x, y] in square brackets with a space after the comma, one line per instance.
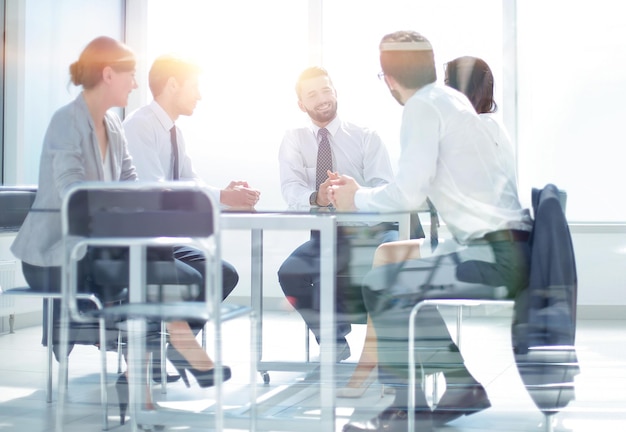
[297, 134]
[139, 116]
[351, 126]
[364, 134]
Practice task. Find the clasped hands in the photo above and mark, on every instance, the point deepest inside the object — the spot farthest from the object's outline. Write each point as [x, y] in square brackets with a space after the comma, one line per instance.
[338, 190]
[240, 196]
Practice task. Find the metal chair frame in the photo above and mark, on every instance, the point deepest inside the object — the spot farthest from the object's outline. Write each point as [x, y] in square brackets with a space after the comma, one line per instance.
[459, 304]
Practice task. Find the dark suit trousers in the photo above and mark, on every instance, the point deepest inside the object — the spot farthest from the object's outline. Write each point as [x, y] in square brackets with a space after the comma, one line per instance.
[391, 291]
[195, 258]
[299, 277]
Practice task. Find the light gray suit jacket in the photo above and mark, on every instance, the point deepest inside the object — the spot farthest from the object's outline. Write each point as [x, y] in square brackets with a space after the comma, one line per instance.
[70, 155]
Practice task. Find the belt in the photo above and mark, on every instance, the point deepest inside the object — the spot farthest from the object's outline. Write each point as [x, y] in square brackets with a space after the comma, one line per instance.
[510, 235]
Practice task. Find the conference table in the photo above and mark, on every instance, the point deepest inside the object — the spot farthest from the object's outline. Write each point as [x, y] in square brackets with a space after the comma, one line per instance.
[326, 223]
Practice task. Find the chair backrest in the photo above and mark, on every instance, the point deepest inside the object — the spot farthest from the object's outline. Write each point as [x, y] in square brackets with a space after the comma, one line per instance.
[139, 210]
[15, 203]
[118, 215]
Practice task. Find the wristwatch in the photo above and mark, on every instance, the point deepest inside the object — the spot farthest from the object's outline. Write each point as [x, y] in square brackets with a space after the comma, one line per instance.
[313, 199]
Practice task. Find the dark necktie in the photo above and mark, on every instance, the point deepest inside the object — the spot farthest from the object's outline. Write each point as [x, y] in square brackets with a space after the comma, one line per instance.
[324, 158]
[175, 174]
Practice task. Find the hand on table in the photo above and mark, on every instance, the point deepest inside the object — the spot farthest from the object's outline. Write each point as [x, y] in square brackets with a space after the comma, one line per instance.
[322, 193]
[239, 195]
[341, 192]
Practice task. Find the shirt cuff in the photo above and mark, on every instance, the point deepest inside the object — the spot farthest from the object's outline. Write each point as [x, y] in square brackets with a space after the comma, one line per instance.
[362, 198]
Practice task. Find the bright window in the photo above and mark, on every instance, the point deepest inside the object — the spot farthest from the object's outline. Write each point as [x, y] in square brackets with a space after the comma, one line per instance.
[571, 93]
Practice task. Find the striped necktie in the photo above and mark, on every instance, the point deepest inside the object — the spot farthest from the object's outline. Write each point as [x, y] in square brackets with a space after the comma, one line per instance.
[324, 158]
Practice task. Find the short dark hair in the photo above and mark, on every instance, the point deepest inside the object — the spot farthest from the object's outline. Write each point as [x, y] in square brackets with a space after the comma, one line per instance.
[473, 77]
[101, 52]
[166, 67]
[308, 73]
[413, 69]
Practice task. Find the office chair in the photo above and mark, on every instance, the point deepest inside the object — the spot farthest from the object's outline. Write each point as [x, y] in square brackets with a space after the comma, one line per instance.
[544, 326]
[137, 216]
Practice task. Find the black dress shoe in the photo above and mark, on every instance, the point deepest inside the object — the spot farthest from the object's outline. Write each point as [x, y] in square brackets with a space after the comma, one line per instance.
[457, 402]
[392, 420]
[342, 350]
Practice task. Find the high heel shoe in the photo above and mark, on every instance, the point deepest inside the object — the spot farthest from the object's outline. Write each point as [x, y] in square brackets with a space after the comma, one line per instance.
[205, 378]
[121, 385]
[156, 377]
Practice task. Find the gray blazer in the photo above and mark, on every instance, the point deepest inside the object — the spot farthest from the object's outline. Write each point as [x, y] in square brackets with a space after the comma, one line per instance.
[70, 154]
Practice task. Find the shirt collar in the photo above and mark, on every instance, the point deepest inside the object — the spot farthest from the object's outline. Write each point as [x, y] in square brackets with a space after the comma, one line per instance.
[161, 115]
[332, 127]
[426, 88]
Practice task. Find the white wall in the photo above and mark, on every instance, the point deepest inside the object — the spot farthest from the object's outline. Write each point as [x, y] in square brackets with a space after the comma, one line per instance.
[601, 261]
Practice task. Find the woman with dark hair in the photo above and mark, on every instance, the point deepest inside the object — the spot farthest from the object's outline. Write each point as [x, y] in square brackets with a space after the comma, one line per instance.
[472, 76]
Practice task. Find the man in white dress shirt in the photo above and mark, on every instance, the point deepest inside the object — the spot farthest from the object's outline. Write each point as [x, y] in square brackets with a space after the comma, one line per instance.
[174, 86]
[448, 156]
[356, 151]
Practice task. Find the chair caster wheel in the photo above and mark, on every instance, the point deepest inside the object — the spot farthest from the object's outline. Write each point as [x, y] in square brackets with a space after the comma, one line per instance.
[266, 377]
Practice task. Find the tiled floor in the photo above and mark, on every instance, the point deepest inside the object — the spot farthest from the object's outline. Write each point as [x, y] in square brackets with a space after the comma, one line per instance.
[600, 404]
